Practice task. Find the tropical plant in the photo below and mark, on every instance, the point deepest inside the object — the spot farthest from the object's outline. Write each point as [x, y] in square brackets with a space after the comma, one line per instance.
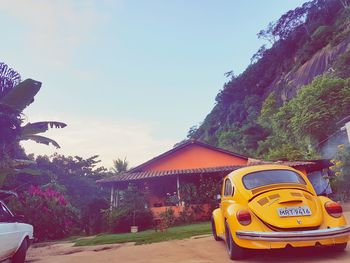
[120, 165]
[15, 96]
[132, 211]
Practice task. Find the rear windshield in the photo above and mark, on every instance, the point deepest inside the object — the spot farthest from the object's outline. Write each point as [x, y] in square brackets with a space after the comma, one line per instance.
[261, 178]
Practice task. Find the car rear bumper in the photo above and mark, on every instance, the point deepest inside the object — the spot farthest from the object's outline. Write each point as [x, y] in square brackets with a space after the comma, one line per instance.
[295, 235]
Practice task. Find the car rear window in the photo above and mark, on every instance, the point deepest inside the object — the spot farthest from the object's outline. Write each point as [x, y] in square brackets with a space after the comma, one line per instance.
[267, 177]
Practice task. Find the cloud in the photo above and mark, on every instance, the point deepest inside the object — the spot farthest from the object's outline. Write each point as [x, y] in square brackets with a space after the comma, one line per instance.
[107, 138]
[53, 30]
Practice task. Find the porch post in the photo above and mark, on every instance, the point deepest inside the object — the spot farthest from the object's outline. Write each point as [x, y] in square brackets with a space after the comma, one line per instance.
[112, 197]
[117, 198]
[178, 188]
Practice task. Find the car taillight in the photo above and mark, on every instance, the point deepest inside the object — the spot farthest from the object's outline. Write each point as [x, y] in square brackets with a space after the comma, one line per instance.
[244, 217]
[334, 209]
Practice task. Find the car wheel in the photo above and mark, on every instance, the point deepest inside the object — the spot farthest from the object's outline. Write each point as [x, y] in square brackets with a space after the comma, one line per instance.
[340, 247]
[20, 255]
[213, 229]
[235, 252]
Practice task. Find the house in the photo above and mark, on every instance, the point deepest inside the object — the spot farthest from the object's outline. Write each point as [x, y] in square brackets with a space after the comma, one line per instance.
[162, 176]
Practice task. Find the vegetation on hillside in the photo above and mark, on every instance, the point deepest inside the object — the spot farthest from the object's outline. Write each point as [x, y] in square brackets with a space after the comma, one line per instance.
[264, 112]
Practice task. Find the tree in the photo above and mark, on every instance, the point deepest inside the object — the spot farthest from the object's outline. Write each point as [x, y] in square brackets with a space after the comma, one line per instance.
[120, 165]
[267, 33]
[75, 177]
[15, 96]
[258, 55]
[306, 120]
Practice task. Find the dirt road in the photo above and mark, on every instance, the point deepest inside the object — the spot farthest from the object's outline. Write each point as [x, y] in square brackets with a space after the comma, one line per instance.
[195, 250]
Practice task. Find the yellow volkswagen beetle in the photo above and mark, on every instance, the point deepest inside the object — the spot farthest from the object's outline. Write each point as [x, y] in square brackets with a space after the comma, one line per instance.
[275, 206]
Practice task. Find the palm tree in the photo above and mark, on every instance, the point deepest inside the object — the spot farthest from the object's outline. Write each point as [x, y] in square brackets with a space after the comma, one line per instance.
[120, 165]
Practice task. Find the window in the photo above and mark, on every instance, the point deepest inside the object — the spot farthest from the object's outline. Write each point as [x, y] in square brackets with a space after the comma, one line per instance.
[261, 178]
[5, 215]
[320, 183]
[228, 190]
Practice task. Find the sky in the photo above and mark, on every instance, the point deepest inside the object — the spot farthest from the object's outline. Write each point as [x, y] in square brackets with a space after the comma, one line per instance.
[129, 77]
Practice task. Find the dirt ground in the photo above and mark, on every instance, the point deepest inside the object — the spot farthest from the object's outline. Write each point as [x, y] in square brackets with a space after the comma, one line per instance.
[195, 250]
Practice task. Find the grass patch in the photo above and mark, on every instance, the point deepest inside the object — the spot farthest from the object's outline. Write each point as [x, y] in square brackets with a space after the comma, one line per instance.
[71, 239]
[149, 236]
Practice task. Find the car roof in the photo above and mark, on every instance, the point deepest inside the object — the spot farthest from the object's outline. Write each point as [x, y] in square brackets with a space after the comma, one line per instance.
[239, 173]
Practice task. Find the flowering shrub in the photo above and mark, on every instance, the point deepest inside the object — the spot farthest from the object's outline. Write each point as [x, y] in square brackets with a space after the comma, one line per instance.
[48, 211]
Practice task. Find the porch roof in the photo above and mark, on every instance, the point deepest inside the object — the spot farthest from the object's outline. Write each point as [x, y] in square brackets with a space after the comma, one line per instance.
[134, 176]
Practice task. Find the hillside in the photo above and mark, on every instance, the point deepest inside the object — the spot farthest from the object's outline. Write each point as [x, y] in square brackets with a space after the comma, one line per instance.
[289, 100]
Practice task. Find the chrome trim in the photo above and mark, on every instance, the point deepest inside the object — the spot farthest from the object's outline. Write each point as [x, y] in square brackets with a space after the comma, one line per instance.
[295, 235]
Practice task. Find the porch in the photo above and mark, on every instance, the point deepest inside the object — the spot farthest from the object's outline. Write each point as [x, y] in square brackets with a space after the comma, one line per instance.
[165, 189]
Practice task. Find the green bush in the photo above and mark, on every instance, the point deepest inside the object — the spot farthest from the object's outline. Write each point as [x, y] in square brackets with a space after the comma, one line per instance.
[92, 217]
[121, 220]
[186, 216]
[132, 211]
[168, 217]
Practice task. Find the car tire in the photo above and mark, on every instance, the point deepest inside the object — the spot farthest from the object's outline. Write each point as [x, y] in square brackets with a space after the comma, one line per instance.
[20, 255]
[340, 247]
[234, 251]
[213, 229]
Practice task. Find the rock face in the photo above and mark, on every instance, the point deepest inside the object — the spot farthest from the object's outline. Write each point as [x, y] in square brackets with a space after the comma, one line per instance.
[320, 63]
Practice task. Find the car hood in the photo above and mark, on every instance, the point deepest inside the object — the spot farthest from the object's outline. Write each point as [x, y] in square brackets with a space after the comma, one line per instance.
[266, 206]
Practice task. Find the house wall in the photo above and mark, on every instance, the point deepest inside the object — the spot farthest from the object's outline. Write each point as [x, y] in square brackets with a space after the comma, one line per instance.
[194, 156]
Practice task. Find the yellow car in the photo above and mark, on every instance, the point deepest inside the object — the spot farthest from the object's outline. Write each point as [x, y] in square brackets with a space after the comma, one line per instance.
[275, 206]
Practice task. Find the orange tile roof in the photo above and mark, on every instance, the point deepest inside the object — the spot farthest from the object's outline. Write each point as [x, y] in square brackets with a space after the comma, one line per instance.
[134, 176]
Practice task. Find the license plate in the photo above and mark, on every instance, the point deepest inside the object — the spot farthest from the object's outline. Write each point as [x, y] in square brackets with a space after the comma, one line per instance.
[294, 211]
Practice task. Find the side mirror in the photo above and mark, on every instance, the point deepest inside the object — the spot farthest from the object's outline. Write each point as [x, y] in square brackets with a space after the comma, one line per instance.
[218, 197]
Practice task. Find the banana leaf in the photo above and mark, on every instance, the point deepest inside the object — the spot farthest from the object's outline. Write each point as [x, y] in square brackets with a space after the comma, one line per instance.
[21, 162]
[22, 95]
[40, 139]
[39, 127]
[30, 171]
